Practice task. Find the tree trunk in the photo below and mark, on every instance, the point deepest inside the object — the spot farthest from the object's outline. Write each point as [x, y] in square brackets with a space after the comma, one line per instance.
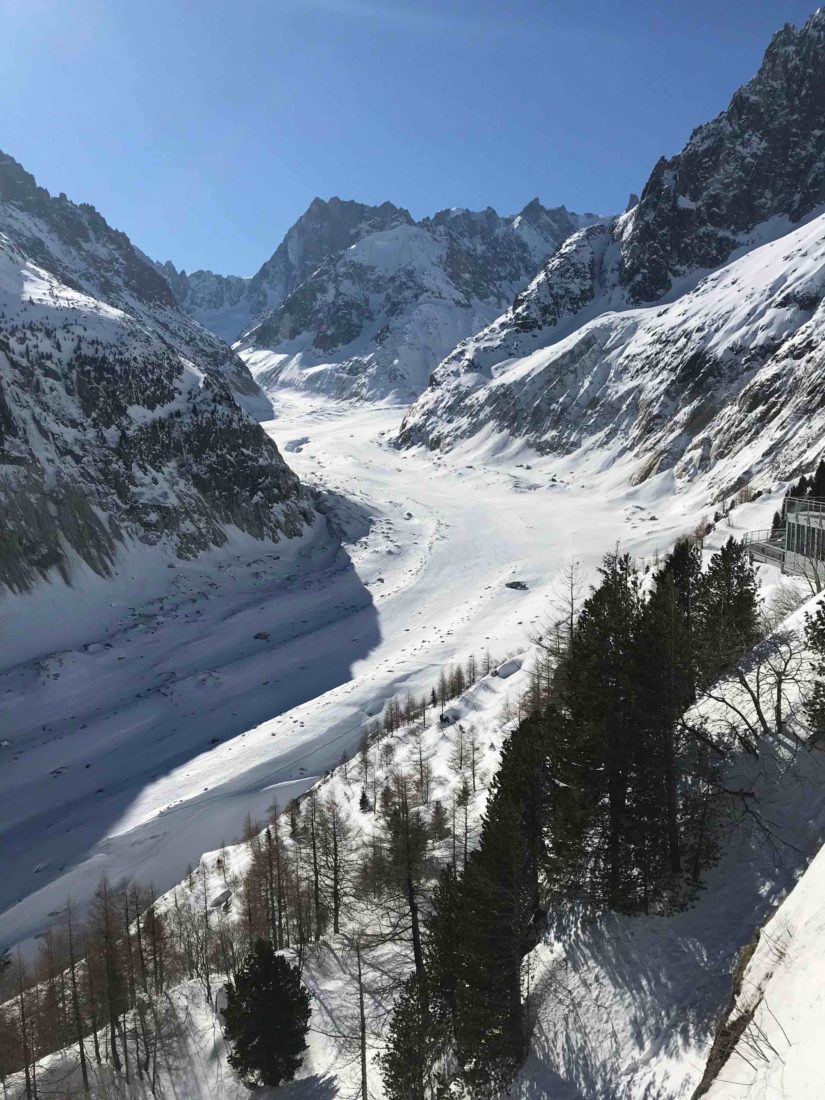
[78, 1022]
[362, 1021]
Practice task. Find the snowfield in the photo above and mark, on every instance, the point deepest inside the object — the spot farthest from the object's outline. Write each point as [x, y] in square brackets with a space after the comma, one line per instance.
[144, 717]
[621, 1007]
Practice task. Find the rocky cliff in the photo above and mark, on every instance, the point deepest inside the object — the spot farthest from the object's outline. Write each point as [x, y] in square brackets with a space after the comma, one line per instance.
[120, 417]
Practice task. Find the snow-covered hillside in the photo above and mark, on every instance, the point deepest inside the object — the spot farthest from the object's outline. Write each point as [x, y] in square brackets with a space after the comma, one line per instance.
[770, 1042]
[724, 353]
[375, 319]
[202, 719]
[232, 630]
[619, 1006]
[120, 420]
[726, 380]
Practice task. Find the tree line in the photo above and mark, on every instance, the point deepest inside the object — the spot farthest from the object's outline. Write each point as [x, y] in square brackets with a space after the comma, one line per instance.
[606, 798]
[99, 984]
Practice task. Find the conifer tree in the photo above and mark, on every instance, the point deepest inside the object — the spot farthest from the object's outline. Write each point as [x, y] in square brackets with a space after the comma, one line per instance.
[726, 612]
[266, 1017]
[410, 1065]
[664, 685]
[601, 694]
[497, 912]
[815, 637]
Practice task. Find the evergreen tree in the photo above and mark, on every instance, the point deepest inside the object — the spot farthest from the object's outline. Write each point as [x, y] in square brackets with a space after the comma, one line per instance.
[815, 637]
[410, 1065]
[497, 913]
[664, 686]
[726, 612]
[266, 1017]
[818, 483]
[601, 690]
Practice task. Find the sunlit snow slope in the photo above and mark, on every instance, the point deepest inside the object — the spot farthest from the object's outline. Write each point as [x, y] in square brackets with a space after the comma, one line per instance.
[133, 731]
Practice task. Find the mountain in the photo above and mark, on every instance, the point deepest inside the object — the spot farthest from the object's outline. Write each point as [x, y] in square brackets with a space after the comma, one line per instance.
[120, 417]
[229, 304]
[374, 320]
[686, 329]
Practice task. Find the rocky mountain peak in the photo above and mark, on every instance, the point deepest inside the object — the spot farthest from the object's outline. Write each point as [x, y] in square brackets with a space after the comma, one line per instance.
[119, 270]
[764, 156]
[687, 330]
[229, 305]
[378, 316]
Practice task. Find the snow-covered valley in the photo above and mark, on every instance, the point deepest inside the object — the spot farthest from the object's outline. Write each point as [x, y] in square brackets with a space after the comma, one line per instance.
[154, 726]
[483, 681]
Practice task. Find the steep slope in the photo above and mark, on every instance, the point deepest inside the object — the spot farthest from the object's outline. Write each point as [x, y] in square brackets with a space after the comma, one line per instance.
[374, 320]
[119, 415]
[731, 370]
[619, 1006]
[229, 304]
[770, 1043]
[744, 179]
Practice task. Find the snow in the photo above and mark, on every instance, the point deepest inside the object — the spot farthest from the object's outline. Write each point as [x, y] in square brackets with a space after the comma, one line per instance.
[716, 380]
[241, 678]
[187, 721]
[780, 1053]
[620, 1006]
[192, 1061]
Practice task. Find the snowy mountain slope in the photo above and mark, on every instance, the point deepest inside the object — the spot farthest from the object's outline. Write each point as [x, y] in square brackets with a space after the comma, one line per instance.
[230, 304]
[187, 719]
[119, 415]
[197, 1068]
[375, 319]
[771, 1042]
[731, 370]
[744, 179]
[620, 1007]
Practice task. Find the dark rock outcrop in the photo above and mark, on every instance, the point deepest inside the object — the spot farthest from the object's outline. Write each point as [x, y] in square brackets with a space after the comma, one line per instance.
[119, 415]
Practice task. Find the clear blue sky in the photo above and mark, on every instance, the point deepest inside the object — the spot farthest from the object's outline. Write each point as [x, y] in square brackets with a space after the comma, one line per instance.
[203, 128]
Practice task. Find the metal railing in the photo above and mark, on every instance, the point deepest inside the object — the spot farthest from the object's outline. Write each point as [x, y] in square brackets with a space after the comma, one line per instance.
[767, 545]
[814, 505]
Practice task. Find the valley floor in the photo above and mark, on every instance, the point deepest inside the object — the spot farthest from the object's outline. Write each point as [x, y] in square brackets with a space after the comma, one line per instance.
[169, 711]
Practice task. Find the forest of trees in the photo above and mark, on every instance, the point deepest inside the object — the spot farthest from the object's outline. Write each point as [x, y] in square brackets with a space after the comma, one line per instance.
[607, 797]
[100, 983]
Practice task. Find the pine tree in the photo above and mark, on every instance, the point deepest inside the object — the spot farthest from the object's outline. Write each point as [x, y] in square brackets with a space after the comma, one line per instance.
[818, 482]
[415, 1046]
[726, 606]
[815, 637]
[497, 912]
[601, 697]
[664, 683]
[266, 1017]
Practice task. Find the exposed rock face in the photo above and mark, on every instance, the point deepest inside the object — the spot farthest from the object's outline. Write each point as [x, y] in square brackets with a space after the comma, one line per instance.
[721, 364]
[764, 156]
[229, 304]
[119, 415]
[376, 318]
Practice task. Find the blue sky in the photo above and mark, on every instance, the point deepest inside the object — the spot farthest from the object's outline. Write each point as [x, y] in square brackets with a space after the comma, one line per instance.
[203, 128]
